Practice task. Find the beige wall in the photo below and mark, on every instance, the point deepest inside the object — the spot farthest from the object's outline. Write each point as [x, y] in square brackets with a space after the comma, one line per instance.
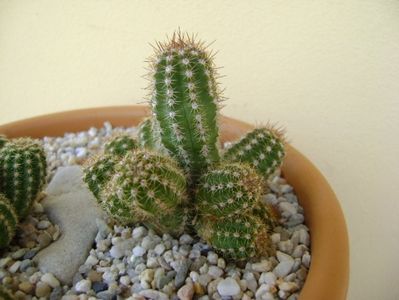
[328, 71]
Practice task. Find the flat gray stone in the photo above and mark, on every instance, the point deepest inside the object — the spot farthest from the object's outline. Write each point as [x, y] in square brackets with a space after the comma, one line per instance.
[73, 207]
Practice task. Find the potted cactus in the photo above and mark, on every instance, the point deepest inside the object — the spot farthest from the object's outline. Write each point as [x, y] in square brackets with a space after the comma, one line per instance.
[177, 177]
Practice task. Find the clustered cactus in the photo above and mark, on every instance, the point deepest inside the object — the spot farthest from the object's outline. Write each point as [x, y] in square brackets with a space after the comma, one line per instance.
[22, 177]
[176, 177]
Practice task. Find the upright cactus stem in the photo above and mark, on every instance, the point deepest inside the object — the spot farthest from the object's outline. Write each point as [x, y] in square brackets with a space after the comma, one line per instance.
[184, 96]
[262, 148]
[150, 136]
[22, 172]
[8, 221]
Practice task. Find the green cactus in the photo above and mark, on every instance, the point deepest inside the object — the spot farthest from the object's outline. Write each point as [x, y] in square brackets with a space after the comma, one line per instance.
[22, 172]
[228, 190]
[184, 96]
[149, 135]
[8, 221]
[146, 186]
[262, 148]
[267, 213]
[119, 145]
[3, 140]
[6, 294]
[238, 238]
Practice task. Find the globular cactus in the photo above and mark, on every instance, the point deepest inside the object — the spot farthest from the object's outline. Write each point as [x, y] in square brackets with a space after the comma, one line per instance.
[184, 96]
[119, 145]
[267, 213]
[262, 148]
[6, 294]
[238, 238]
[22, 172]
[8, 221]
[3, 140]
[146, 187]
[228, 190]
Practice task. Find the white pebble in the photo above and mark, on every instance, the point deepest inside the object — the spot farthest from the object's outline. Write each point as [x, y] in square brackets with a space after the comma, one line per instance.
[159, 249]
[15, 266]
[283, 268]
[262, 266]
[91, 260]
[268, 278]
[116, 251]
[50, 280]
[125, 280]
[139, 232]
[43, 224]
[212, 258]
[288, 208]
[138, 251]
[215, 272]
[283, 257]
[228, 287]
[304, 237]
[264, 293]
[185, 239]
[83, 286]
[306, 260]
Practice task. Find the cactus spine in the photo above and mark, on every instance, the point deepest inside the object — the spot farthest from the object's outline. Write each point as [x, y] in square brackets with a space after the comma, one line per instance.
[22, 172]
[150, 136]
[228, 190]
[184, 96]
[8, 221]
[262, 148]
[120, 145]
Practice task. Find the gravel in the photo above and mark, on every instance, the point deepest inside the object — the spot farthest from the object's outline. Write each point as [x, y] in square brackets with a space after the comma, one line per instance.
[136, 263]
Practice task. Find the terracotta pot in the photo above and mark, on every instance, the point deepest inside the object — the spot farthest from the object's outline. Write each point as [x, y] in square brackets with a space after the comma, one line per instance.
[329, 271]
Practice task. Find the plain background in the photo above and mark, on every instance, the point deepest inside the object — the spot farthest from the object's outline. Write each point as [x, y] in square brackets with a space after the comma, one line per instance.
[328, 71]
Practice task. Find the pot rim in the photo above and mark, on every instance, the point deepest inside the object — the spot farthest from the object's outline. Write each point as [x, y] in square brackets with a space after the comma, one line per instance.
[328, 276]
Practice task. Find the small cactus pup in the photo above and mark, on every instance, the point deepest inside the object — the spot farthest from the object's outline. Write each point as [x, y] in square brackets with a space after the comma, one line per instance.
[22, 172]
[267, 213]
[184, 96]
[146, 187]
[149, 135]
[119, 145]
[262, 148]
[6, 294]
[227, 190]
[238, 238]
[8, 221]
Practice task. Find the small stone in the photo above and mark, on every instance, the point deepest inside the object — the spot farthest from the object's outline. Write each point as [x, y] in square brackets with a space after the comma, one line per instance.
[264, 293]
[306, 260]
[56, 294]
[283, 257]
[288, 208]
[186, 239]
[5, 261]
[275, 237]
[299, 251]
[147, 275]
[94, 276]
[44, 239]
[105, 295]
[148, 243]
[212, 258]
[25, 264]
[186, 292]
[43, 224]
[286, 246]
[198, 289]
[50, 280]
[31, 253]
[228, 287]
[159, 249]
[91, 260]
[221, 263]
[42, 289]
[125, 280]
[181, 267]
[38, 208]
[283, 268]
[83, 286]
[139, 251]
[262, 266]
[152, 262]
[116, 251]
[215, 272]
[26, 287]
[252, 284]
[139, 232]
[99, 286]
[14, 267]
[153, 294]
[268, 278]
[19, 253]
[304, 237]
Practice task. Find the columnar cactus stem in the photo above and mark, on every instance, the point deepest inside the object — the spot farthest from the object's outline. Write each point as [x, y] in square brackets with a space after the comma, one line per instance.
[236, 238]
[146, 186]
[262, 148]
[22, 172]
[150, 136]
[228, 190]
[8, 221]
[184, 98]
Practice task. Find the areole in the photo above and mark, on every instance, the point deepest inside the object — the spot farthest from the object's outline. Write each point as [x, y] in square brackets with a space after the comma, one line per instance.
[328, 277]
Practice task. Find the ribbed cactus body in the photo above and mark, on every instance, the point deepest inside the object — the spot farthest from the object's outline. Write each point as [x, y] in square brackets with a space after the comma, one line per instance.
[237, 238]
[267, 214]
[184, 99]
[98, 171]
[150, 136]
[262, 148]
[120, 145]
[6, 294]
[22, 172]
[146, 186]
[227, 190]
[8, 221]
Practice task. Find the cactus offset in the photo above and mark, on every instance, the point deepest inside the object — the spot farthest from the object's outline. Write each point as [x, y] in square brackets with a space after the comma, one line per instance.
[228, 189]
[8, 221]
[22, 172]
[267, 213]
[146, 186]
[184, 96]
[119, 145]
[149, 135]
[262, 148]
[237, 238]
